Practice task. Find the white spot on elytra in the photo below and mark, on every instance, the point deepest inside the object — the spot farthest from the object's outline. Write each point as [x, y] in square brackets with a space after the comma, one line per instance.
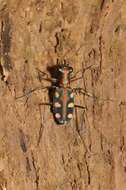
[70, 115]
[57, 105]
[71, 105]
[57, 115]
[57, 95]
[72, 95]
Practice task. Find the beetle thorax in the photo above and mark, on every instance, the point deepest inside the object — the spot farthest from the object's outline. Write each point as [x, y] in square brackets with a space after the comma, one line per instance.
[65, 79]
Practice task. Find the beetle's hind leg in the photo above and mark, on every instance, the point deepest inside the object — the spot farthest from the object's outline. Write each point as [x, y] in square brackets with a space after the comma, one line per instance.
[42, 120]
[80, 119]
[79, 125]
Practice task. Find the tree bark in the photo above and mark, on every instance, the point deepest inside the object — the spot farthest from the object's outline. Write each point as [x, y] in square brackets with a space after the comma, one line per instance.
[89, 153]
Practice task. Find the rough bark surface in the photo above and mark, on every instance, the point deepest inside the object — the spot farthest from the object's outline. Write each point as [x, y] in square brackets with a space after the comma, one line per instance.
[89, 153]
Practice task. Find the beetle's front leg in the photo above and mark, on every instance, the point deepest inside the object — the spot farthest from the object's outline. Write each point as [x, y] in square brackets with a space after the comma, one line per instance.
[44, 76]
[75, 78]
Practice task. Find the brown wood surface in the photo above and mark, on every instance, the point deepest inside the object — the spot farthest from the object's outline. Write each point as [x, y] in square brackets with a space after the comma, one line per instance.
[89, 153]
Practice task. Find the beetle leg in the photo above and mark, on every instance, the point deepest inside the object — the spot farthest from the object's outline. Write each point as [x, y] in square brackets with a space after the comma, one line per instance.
[46, 76]
[80, 122]
[42, 73]
[42, 121]
[33, 90]
[45, 104]
[82, 107]
[75, 78]
[84, 92]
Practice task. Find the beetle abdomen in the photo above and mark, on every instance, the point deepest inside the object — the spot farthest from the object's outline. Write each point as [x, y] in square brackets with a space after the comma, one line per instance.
[63, 105]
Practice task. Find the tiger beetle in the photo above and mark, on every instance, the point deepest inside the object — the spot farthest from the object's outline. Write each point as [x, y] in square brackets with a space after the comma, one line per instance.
[63, 97]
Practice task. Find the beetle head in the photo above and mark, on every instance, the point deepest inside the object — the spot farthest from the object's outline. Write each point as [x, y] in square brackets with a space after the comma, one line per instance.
[65, 68]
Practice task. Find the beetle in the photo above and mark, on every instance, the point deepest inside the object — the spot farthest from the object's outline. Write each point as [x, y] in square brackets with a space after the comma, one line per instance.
[63, 99]
[63, 104]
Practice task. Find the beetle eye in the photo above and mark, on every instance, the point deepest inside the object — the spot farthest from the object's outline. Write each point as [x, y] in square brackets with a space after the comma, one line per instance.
[71, 69]
[60, 70]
